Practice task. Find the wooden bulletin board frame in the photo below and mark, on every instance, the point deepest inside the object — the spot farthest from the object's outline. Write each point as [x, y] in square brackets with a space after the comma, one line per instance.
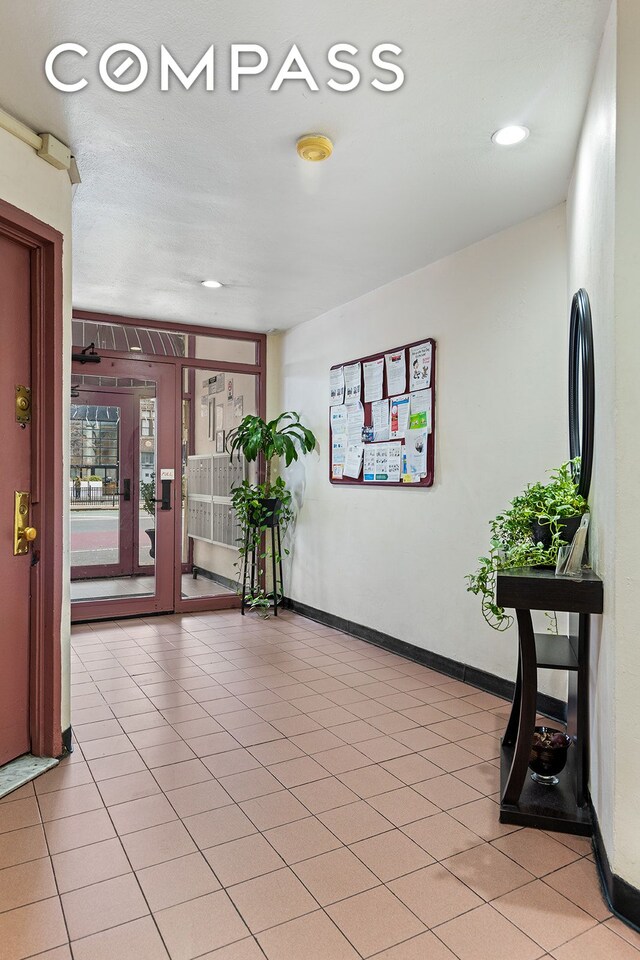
[431, 438]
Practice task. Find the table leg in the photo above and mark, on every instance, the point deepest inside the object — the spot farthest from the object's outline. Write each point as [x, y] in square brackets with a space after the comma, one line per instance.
[512, 726]
[527, 713]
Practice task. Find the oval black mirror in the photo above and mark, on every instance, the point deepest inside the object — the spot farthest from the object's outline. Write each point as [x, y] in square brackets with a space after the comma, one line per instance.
[581, 390]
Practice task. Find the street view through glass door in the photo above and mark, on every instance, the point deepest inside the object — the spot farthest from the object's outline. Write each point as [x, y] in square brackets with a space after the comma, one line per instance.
[121, 511]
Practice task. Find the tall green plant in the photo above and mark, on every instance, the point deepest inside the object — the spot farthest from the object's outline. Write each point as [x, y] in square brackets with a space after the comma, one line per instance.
[283, 437]
[512, 539]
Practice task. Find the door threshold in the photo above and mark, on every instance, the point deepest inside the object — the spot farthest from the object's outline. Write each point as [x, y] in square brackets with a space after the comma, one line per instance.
[22, 770]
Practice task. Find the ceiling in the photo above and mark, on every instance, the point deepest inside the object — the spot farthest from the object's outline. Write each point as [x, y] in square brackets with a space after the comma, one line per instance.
[182, 186]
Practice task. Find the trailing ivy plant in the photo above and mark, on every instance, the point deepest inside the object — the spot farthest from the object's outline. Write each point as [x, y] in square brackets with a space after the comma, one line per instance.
[512, 536]
[255, 503]
[254, 507]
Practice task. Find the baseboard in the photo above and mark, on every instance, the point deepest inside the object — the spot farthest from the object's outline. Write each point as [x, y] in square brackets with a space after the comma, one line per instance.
[217, 578]
[489, 682]
[622, 897]
[67, 741]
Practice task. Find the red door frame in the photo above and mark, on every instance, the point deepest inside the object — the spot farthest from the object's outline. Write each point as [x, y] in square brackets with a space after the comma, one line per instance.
[257, 369]
[47, 488]
[163, 372]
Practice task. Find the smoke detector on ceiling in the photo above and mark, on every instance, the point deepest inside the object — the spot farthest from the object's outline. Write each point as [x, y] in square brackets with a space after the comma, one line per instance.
[314, 147]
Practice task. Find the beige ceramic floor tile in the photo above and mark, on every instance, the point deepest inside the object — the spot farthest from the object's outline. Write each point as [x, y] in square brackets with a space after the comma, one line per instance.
[579, 883]
[270, 900]
[599, 943]
[374, 921]
[441, 836]
[106, 904]
[243, 859]
[90, 864]
[424, 947]
[33, 929]
[313, 937]
[302, 839]
[139, 939]
[176, 881]
[274, 810]
[535, 851]
[483, 934]
[434, 894]
[487, 871]
[335, 876]
[527, 906]
[25, 883]
[200, 926]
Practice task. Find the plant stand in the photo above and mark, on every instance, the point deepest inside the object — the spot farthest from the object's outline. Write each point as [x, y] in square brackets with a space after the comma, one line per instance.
[251, 567]
[524, 802]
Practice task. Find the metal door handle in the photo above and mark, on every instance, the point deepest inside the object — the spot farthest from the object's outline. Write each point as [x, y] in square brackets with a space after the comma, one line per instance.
[125, 493]
[165, 499]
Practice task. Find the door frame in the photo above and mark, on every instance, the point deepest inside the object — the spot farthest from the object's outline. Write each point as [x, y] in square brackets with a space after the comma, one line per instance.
[47, 473]
[180, 363]
[119, 607]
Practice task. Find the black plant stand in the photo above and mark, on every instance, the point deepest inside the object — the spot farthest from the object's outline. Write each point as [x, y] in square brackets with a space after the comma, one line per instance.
[251, 566]
[562, 807]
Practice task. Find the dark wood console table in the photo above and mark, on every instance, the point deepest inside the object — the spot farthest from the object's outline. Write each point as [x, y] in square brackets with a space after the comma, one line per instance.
[562, 807]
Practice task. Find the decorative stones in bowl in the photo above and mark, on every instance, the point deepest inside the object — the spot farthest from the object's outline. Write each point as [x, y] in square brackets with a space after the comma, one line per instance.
[548, 754]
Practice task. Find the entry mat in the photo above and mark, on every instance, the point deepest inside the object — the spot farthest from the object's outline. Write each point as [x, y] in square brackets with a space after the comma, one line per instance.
[23, 769]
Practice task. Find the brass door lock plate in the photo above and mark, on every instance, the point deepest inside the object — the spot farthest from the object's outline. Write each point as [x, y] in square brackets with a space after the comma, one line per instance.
[23, 534]
[23, 404]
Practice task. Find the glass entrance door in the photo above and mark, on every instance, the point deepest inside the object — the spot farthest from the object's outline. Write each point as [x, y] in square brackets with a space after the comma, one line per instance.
[122, 488]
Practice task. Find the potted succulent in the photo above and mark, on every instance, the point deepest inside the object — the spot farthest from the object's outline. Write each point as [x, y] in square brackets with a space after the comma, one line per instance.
[148, 497]
[529, 533]
[261, 506]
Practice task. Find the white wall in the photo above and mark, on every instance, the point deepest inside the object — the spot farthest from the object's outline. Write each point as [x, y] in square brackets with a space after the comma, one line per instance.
[395, 559]
[35, 186]
[604, 251]
[627, 383]
[591, 229]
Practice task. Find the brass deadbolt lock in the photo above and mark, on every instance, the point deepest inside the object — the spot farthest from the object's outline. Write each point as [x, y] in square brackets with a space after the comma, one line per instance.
[23, 404]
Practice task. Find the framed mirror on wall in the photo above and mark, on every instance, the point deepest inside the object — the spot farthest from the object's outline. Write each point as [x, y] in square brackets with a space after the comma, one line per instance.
[581, 390]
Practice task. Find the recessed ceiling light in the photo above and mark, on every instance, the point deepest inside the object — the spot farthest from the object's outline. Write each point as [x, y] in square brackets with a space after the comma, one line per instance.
[508, 136]
[212, 284]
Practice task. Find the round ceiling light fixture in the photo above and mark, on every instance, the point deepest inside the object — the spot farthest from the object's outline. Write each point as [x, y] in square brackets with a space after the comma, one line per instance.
[509, 136]
[211, 284]
[314, 147]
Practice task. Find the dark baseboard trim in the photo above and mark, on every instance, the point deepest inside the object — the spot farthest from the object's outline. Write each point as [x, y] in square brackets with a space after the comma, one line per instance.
[217, 578]
[67, 741]
[489, 682]
[623, 899]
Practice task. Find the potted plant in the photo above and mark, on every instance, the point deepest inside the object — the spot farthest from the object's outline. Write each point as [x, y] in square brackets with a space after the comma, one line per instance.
[530, 533]
[261, 506]
[148, 496]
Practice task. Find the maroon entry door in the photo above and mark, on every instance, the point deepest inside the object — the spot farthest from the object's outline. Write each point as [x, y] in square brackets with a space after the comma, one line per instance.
[15, 476]
[122, 542]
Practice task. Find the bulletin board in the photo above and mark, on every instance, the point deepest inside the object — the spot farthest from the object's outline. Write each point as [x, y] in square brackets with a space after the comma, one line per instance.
[413, 428]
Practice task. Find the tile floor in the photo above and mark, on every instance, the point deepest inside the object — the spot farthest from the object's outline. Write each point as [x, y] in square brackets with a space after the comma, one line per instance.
[245, 789]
